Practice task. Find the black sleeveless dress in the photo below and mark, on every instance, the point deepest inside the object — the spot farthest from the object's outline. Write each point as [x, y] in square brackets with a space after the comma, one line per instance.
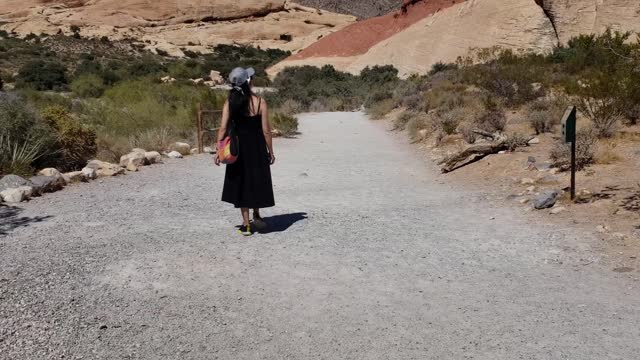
[247, 182]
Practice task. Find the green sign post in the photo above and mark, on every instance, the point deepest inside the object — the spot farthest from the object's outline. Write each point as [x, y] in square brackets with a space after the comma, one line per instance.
[569, 136]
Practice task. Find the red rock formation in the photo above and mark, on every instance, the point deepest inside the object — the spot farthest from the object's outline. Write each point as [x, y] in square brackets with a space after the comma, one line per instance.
[358, 38]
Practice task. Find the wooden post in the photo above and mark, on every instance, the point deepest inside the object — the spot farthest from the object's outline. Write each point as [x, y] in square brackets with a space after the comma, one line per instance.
[200, 129]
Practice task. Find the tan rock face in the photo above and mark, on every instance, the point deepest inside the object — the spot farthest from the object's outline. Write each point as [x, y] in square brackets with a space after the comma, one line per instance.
[448, 29]
[414, 49]
[174, 24]
[575, 17]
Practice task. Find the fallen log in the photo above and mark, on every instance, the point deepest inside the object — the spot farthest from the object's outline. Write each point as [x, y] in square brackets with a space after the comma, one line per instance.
[471, 155]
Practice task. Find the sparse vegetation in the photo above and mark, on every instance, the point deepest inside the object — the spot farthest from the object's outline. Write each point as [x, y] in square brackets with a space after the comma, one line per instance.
[117, 100]
[586, 141]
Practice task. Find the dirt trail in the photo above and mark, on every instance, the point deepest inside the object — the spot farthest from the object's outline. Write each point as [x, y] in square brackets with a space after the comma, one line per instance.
[389, 264]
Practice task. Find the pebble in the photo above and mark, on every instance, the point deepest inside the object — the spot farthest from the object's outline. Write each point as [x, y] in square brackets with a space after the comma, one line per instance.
[558, 210]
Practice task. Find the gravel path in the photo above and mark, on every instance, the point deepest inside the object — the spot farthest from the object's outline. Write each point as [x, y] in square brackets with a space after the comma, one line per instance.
[387, 263]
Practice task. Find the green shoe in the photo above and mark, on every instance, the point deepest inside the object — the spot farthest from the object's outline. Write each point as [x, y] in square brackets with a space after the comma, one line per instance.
[245, 230]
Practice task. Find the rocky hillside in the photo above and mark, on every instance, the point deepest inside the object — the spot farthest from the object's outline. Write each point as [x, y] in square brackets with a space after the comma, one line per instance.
[362, 9]
[442, 30]
[173, 25]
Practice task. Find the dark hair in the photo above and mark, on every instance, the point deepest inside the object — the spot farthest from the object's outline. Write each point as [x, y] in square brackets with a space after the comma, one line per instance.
[240, 103]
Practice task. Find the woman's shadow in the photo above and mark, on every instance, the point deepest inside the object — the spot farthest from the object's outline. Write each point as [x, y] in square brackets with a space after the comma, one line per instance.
[280, 223]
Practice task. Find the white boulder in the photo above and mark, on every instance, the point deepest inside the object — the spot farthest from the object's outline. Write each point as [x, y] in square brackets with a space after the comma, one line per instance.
[175, 155]
[104, 168]
[136, 159]
[75, 176]
[182, 148]
[17, 195]
[89, 173]
[53, 173]
[216, 77]
[209, 150]
[153, 157]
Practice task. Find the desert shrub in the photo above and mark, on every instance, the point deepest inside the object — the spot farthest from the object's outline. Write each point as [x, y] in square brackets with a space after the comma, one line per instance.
[307, 84]
[400, 122]
[162, 52]
[379, 76]
[88, 86]
[417, 123]
[76, 142]
[466, 130]
[414, 102]
[145, 66]
[598, 100]
[541, 121]
[19, 121]
[190, 54]
[441, 67]
[189, 69]
[318, 105]
[492, 121]
[226, 57]
[26, 137]
[378, 110]
[445, 97]
[405, 90]
[606, 153]
[586, 141]
[42, 75]
[377, 96]
[41, 100]
[111, 146]
[447, 121]
[286, 125]
[632, 114]
[156, 139]
[17, 157]
[291, 107]
[514, 141]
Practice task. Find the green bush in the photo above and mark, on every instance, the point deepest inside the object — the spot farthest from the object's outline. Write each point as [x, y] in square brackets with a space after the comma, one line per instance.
[88, 86]
[285, 125]
[42, 75]
[26, 137]
[77, 143]
[442, 67]
[379, 76]
[599, 99]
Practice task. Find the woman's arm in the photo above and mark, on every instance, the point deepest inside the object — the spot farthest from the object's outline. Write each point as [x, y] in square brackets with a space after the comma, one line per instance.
[266, 129]
[223, 130]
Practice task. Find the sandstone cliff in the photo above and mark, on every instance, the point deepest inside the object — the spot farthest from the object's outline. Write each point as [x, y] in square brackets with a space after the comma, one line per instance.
[432, 31]
[575, 17]
[442, 30]
[174, 24]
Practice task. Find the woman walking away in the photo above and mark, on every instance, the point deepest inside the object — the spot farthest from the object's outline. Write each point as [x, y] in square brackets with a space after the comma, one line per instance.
[247, 182]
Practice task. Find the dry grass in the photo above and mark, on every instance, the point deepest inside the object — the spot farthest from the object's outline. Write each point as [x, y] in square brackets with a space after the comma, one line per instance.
[606, 153]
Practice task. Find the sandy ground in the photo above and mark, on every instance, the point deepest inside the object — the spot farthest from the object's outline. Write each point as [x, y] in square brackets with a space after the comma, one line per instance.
[372, 256]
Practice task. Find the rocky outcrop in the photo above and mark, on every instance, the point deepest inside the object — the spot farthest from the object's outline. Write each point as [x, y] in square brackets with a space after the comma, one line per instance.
[441, 30]
[431, 31]
[574, 17]
[172, 25]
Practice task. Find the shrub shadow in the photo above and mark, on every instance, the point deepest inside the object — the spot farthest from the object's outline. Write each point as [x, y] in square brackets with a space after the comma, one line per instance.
[10, 219]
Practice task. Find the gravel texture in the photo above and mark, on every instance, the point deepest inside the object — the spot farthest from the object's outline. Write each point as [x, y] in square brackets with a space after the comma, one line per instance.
[362, 9]
[388, 263]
